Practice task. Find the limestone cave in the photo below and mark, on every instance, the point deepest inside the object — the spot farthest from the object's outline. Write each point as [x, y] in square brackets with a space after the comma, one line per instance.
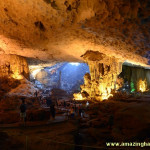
[74, 74]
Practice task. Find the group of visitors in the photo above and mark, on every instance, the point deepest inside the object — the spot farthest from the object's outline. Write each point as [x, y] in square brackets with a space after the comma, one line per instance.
[71, 108]
[38, 95]
[23, 109]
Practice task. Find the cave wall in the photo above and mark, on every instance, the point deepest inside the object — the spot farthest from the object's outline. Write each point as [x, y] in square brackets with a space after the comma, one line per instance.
[136, 76]
[13, 66]
[33, 28]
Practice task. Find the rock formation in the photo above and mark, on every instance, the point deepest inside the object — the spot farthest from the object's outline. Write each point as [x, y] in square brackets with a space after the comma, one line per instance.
[64, 30]
[138, 78]
[14, 76]
[13, 66]
[104, 71]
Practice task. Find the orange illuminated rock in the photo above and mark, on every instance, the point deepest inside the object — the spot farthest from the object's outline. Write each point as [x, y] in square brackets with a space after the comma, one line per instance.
[64, 30]
[14, 66]
[104, 71]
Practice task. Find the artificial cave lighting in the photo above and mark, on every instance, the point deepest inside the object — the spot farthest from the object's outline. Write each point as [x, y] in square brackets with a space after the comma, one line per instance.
[142, 85]
[74, 74]
[132, 87]
[17, 76]
[14, 66]
[105, 93]
[78, 96]
[137, 78]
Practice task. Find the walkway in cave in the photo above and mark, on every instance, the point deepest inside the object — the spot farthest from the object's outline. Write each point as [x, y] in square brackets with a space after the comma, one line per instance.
[58, 119]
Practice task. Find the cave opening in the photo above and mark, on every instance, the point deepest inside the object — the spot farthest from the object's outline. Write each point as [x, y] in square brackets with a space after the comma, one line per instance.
[64, 78]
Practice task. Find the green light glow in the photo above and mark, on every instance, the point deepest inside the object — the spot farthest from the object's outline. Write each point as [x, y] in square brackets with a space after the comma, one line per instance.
[132, 86]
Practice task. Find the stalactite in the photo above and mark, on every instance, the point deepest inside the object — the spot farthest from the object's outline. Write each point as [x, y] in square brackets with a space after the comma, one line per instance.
[103, 75]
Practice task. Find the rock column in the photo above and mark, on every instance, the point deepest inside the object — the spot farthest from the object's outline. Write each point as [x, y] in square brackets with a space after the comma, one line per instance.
[101, 81]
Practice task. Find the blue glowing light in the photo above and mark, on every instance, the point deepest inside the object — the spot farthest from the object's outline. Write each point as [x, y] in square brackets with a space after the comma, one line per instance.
[74, 64]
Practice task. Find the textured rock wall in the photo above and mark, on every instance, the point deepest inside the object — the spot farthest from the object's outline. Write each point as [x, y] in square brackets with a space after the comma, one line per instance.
[14, 66]
[66, 29]
[137, 78]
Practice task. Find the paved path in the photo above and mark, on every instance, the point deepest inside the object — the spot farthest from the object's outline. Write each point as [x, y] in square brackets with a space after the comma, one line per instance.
[58, 119]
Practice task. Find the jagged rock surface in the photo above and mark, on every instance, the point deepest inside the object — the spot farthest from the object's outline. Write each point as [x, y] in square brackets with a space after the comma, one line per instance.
[66, 29]
[13, 65]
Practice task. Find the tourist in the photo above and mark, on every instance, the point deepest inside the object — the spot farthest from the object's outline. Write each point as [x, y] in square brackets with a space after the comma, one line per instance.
[87, 104]
[40, 97]
[80, 111]
[68, 114]
[65, 104]
[36, 94]
[23, 111]
[72, 112]
[57, 103]
[48, 101]
[52, 111]
[44, 101]
[75, 109]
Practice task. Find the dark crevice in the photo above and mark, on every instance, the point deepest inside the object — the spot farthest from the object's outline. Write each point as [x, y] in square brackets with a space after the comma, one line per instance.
[10, 18]
[66, 3]
[69, 8]
[53, 4]
[5, 9]
[40, 25]
[47, 1]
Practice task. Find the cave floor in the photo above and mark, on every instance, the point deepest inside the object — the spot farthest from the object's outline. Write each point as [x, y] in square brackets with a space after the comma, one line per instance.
[109, 121]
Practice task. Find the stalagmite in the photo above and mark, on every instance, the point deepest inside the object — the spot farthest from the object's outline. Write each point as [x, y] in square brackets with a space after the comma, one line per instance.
[104, 71]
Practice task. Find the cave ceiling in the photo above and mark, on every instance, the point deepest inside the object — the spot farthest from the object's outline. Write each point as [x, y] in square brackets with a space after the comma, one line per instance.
[63, 30]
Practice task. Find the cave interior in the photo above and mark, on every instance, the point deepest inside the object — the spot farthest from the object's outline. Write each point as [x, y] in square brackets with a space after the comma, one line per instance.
[94, 54]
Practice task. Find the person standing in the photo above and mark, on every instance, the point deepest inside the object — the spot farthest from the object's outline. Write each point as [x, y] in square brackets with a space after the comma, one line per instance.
[36, 94]
[23, 111]
[52, 111]
[48, 101]
[72, 112]
[65, 104]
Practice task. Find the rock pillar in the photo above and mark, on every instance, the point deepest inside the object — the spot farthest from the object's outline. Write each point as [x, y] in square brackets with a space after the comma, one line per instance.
[101, 81]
